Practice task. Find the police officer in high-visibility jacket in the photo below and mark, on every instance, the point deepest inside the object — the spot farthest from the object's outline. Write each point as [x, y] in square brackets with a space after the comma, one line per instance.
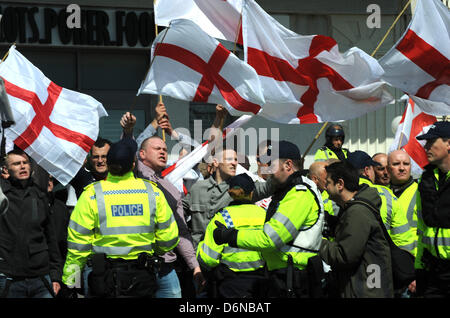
[234, 272]
[123, 223]
[433, 213]
[335, 137]
[292, 231]
[391, 212]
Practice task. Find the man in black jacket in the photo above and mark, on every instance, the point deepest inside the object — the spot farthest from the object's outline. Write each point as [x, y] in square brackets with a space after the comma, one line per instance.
[30, 264]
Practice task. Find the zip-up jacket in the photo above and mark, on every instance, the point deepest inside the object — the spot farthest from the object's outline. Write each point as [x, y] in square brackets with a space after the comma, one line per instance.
[293, 226]
[28, 244]
[121, 217]
[241, 216]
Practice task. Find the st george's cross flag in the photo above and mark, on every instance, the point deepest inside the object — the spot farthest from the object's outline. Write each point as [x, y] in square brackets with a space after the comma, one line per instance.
[55, 126]
[218, 18]
[419, 62]
[190, 65]
[305, 79]
[414, 122]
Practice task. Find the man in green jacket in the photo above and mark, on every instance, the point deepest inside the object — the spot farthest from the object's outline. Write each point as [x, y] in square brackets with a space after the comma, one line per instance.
[360, 255]
[392, 214]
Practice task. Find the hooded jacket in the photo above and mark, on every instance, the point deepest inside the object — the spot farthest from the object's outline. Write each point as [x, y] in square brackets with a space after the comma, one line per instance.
[360, 255]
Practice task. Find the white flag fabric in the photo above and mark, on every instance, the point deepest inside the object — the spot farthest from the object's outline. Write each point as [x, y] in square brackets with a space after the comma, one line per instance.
[190, 65]
[304, 78]
[419, 63]
[179, 169]
[414, 122]
[219, 18]
[55, 126]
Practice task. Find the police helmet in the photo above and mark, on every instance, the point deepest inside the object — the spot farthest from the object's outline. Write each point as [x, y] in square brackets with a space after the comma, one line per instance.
[335, 130]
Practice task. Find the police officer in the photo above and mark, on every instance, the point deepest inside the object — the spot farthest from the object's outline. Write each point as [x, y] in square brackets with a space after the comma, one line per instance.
[235, 272]
[292, 231]
[335, 138]
[123, 222]
[433, 206]
[391, 212]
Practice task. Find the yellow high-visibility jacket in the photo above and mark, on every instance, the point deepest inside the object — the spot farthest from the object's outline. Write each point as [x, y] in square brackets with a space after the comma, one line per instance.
[294, 229]
[122, 217]
[393, 216]
[435, 240]
[324, 153]
[408, 200]
[244, 216]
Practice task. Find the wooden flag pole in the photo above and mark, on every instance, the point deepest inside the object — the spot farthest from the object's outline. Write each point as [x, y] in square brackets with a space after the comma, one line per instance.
[160, 96]
[373, 53]
[7, 53]
[391, 27]
[314, 140]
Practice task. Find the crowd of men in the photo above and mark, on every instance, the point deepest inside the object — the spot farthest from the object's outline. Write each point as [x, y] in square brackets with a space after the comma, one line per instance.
[327, 230]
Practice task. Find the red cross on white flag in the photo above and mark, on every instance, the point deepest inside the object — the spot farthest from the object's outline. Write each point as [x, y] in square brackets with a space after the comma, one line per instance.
[414, 122]
[55, 126]
[190, 65]
[306, 79]
[419, 63]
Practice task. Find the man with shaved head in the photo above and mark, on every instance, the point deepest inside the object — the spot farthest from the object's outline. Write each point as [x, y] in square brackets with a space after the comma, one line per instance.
[404, 188]
[381, 173]
[318, 175]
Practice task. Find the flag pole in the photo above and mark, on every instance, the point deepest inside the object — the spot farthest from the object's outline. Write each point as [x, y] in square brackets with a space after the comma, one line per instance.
[314, 140]
[381, 42]
[7, 52]
[373, 53]
[160, 96]
[391, 27]
[156, 34]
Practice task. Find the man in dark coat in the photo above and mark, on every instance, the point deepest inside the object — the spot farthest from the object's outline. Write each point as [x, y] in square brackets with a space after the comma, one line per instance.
[359, 255]
[30, 264]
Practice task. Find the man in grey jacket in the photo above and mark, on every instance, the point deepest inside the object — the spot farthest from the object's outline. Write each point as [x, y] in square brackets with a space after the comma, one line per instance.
[359, 256]
[207, 197]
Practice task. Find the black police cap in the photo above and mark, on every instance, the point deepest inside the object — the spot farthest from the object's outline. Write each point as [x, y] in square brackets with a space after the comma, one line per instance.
[122, 153]
[360, 159]
[242, 181]
[438, 129]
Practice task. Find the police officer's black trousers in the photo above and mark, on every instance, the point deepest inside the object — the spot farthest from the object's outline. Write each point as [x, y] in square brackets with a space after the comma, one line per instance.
[243, 285]
[435, 280]
[124, 280]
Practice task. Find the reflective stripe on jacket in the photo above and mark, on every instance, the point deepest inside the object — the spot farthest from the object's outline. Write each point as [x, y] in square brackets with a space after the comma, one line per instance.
[300, 211]
[407, 201]
[393, 216]
[210, 255]
[121, 217]
[431, 238]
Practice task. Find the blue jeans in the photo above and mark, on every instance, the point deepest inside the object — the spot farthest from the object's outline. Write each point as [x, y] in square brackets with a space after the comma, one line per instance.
[26, 288]
[168, 285]
[86, 271]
